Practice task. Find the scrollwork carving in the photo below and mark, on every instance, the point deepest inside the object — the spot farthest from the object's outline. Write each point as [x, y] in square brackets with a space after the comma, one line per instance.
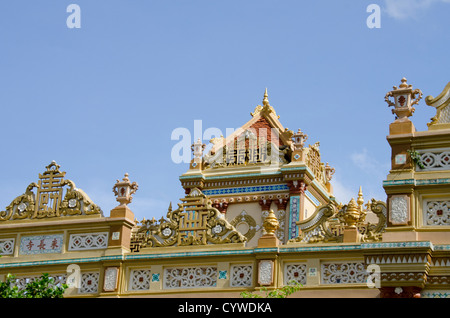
[195, 222]
[328, 222]
[47, 202]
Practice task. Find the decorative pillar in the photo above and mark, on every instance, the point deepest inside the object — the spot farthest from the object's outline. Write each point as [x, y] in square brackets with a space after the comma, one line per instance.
[400, 199]
[267, 261]
[296, 205]
[120, 234]
[281, 205]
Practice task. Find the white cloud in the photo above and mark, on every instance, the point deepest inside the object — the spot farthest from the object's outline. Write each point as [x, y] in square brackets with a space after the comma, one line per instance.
[341, 192]
[402, 9]
[367, 162]
[366, 171]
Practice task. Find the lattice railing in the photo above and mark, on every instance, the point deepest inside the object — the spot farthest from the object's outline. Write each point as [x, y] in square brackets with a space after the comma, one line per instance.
[295, 272]
[437, 212]
[438, 159]
[241, 276]
[343, 273]
[190, 277]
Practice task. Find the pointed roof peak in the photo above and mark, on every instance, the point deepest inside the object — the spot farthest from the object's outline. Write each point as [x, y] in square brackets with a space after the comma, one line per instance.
[266, 99]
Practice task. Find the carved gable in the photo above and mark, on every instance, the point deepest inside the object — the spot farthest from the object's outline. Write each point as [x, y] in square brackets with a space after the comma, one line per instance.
[48, 200]
[195, 222]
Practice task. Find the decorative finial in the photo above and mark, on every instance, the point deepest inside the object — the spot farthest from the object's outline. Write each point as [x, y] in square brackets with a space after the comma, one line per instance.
[124, 190]
[266, 98]
[197, 148]
[403, 84]
[299, 139]
[352, 214]
[271, 223]
[360, 199]
[52, 167]
[404, 98]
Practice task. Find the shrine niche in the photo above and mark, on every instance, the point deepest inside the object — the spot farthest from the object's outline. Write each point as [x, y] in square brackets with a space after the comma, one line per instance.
[49, 200]
[195, 222]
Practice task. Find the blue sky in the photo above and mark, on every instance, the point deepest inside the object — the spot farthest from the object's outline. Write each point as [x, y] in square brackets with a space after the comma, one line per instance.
[104, 99]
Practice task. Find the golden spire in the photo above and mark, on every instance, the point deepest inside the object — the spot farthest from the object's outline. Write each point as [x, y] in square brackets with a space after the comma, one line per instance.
[266, 108]
[360, 200]
[266, 99]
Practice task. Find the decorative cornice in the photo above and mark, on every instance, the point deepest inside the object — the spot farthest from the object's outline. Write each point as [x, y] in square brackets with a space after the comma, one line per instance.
[248, 198]
[64, 261]
[414, 258]
[416, 182]
[395, 245]
[404, 278]
[241, 190]
[442, 247]
[438, 280]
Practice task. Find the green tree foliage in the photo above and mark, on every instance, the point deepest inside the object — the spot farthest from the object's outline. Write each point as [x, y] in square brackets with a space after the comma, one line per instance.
[39, 288]
[283, 292]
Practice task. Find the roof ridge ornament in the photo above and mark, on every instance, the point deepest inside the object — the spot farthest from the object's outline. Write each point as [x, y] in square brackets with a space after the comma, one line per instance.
[266, 99]
[404, 98]
[124, 190]
[266, 108]
[53, 166]
[328, 222]
[48, 201]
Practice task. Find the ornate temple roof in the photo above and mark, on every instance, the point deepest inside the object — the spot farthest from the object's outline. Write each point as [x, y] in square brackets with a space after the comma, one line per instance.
[261, 146]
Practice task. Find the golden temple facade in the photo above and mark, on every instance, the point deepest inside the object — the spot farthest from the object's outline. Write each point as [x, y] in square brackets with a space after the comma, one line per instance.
[258, 213]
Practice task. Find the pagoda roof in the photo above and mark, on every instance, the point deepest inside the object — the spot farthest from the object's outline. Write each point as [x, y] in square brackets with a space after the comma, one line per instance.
[264, 120]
